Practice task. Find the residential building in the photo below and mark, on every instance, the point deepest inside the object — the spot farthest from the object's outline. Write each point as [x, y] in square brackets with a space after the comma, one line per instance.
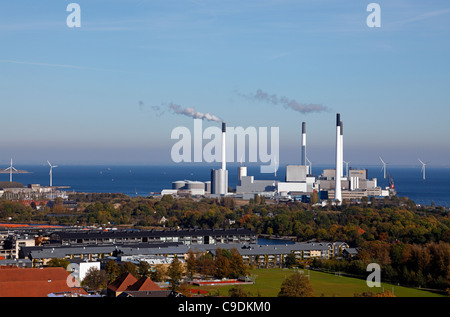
[126, 282]
[36, 282]
[185, 236]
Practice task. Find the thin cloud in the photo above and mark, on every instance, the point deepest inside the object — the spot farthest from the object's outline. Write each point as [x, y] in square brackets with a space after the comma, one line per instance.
[8, 61]
[422, 17]
[286, 102]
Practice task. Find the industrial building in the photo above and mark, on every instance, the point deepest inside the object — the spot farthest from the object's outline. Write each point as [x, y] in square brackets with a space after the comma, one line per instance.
[32, 192]
[247, 186]
[299, 183]
[188, 187]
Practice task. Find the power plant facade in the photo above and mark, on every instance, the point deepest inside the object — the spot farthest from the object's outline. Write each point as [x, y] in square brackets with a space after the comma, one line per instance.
[299, 182]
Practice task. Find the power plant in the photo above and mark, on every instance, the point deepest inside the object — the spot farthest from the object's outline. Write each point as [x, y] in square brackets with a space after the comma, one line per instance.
[299, 183]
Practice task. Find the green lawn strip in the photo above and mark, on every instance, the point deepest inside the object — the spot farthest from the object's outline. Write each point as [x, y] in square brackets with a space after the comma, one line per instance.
[268, 284]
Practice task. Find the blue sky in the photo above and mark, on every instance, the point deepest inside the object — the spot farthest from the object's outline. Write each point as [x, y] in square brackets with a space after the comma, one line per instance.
[87, 95]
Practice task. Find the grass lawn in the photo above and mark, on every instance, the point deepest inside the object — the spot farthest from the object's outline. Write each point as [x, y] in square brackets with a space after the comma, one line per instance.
[268, 284]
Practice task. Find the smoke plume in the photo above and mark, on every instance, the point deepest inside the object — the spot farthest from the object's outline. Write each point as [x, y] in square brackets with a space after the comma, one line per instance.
[191, 112]
[157, 109]
[286, 102]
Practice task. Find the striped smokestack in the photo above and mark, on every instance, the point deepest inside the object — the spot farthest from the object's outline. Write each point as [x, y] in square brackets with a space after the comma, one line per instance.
[342, 149]
[303, 159]
[224, 157]
[337, 187]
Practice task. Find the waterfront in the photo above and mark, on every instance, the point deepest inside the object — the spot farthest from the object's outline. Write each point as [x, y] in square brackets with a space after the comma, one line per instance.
[145, 180]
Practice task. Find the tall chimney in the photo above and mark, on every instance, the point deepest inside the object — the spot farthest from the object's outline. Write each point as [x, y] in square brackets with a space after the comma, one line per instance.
[337, 187]
[342, 150]
[224, 157]
[303, 159]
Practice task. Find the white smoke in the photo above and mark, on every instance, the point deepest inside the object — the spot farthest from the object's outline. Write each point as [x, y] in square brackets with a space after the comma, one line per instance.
[286, 102]
[177, 109]
[191, 112]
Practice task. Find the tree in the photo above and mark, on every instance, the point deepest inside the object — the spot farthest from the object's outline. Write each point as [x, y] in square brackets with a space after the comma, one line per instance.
[386, 293]
[128, 267]
[206, 264]
[144, 268]
[222, 263]
[112, 269]
[375, 251]
[237, 266]
[95, 279]
[158, 273]
[296, 285]
[191, 264]
[57, 262]
[175, 272]
[237, 291]
[291, 260]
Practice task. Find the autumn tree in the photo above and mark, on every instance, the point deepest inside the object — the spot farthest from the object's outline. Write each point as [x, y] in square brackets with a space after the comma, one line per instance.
[128, 267]
[237, 266]
[222, 263]
[238, 291]
[206, 265]
[144, 268]
[296, 285]
[191, 264]
[175, 272]
[112, 270]
[57, 262]
[95, 279]
[158, 273]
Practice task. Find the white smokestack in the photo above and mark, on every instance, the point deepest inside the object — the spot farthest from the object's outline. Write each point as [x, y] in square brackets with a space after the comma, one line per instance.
[303, 160]
[337, 188]
[219, 177]
[224, 157]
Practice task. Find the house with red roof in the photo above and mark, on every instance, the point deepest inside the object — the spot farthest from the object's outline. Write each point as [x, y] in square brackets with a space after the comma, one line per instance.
[36, 282]
[126, 282]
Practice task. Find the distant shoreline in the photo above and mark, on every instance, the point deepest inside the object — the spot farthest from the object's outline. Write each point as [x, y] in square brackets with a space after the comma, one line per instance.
[15, 172]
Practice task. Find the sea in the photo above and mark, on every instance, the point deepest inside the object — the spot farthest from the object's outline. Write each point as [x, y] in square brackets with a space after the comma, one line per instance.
[136, 180]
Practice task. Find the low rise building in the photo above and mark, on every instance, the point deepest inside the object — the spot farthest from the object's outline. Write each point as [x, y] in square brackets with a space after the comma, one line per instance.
[185, 236]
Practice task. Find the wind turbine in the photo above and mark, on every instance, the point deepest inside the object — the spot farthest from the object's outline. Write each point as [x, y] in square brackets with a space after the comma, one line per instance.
[51, 169]
[423, 168]
[10, 168]
[346, 167]
[384, 167]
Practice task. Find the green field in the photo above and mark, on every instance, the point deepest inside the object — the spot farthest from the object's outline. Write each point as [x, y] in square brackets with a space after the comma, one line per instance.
[268, 284]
